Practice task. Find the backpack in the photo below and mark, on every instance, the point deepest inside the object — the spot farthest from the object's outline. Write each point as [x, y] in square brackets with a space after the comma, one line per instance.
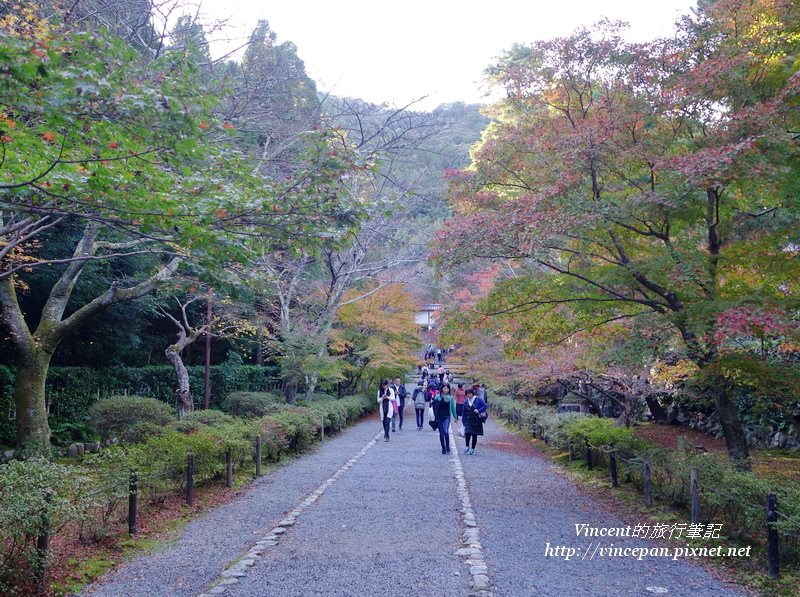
[419, 398]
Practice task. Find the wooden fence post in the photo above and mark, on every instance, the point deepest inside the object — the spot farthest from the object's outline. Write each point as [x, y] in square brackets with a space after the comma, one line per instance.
[695, 488]
[258, 456]
[322, 429]
[612, 465]
[133, 494]
[571, 456]
[772, 535]
[190, 479]
[228, 468]
[648, 498]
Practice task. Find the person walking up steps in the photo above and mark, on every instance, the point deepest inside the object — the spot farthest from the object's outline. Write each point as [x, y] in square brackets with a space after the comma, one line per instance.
[418, 398]
[445, 408]
[472, 419]
[386, 407]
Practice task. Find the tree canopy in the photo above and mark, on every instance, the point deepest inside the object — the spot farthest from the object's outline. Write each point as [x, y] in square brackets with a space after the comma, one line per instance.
[653, 184]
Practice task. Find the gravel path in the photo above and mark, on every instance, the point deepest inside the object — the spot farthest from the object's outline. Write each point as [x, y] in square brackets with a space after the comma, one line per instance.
[523, 505]
[360, 517]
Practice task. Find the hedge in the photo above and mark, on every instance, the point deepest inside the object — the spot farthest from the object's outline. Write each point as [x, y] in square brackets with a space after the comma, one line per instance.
[729, 496]
[72, 390]
[93, 492]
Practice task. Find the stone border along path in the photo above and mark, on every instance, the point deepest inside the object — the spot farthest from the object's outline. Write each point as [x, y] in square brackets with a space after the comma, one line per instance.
[232, 574]
[471, 553]
[402, 519]
[472, 550]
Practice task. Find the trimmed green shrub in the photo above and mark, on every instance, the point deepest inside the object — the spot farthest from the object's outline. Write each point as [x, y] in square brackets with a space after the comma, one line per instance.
[34, 494]
[273, 439]
[601, 433]
[197, 419]
[212, 418]
[253, 404]
[111, 416]
[139, 433]
[298, 427]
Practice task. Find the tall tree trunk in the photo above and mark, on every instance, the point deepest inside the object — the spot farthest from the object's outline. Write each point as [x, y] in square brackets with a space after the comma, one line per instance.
[33, 429]
[659, 412]
[183, 394]
[311, 385]
[34, 349]
[732, 430]
[735, 438]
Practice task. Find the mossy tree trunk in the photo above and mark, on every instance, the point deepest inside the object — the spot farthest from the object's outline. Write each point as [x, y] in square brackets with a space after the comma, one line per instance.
[35, 348]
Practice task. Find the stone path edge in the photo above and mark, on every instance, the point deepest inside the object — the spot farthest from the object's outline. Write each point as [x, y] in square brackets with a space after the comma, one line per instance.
[238, 569]
[472, 550]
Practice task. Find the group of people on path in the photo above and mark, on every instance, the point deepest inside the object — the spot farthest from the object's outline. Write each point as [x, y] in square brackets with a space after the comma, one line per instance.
[440, 405]
[444, 375]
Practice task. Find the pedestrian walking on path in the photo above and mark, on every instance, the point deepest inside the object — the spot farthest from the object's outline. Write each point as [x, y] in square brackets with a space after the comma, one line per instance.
[460, 396]
[320, 525]
[386, 401]
[420, 404]
[445, 409]
[400, 394]
[474, 414]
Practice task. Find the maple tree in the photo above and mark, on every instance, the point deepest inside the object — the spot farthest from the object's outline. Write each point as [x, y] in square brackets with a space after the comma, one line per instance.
[126, 149]
[654, 183]
[375, 333]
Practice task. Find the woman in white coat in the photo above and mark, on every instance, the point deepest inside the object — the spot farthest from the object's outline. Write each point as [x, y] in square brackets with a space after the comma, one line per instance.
[386, 400]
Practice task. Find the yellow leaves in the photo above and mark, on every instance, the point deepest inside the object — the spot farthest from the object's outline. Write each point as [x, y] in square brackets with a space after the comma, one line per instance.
[378, 326]
[677, 374]
[22, 21]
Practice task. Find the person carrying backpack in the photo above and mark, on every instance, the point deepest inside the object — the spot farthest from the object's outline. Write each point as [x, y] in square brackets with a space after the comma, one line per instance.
[420, 404]
[430, 395]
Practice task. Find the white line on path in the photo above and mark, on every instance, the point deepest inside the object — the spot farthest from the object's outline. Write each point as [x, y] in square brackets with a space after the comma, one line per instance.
[471, 552]
[231, 575]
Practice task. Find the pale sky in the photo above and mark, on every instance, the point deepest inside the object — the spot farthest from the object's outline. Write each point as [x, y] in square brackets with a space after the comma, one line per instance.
[400, 51]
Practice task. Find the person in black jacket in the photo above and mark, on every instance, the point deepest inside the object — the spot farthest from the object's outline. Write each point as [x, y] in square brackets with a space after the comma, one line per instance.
[472, 417]
[400, 391]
